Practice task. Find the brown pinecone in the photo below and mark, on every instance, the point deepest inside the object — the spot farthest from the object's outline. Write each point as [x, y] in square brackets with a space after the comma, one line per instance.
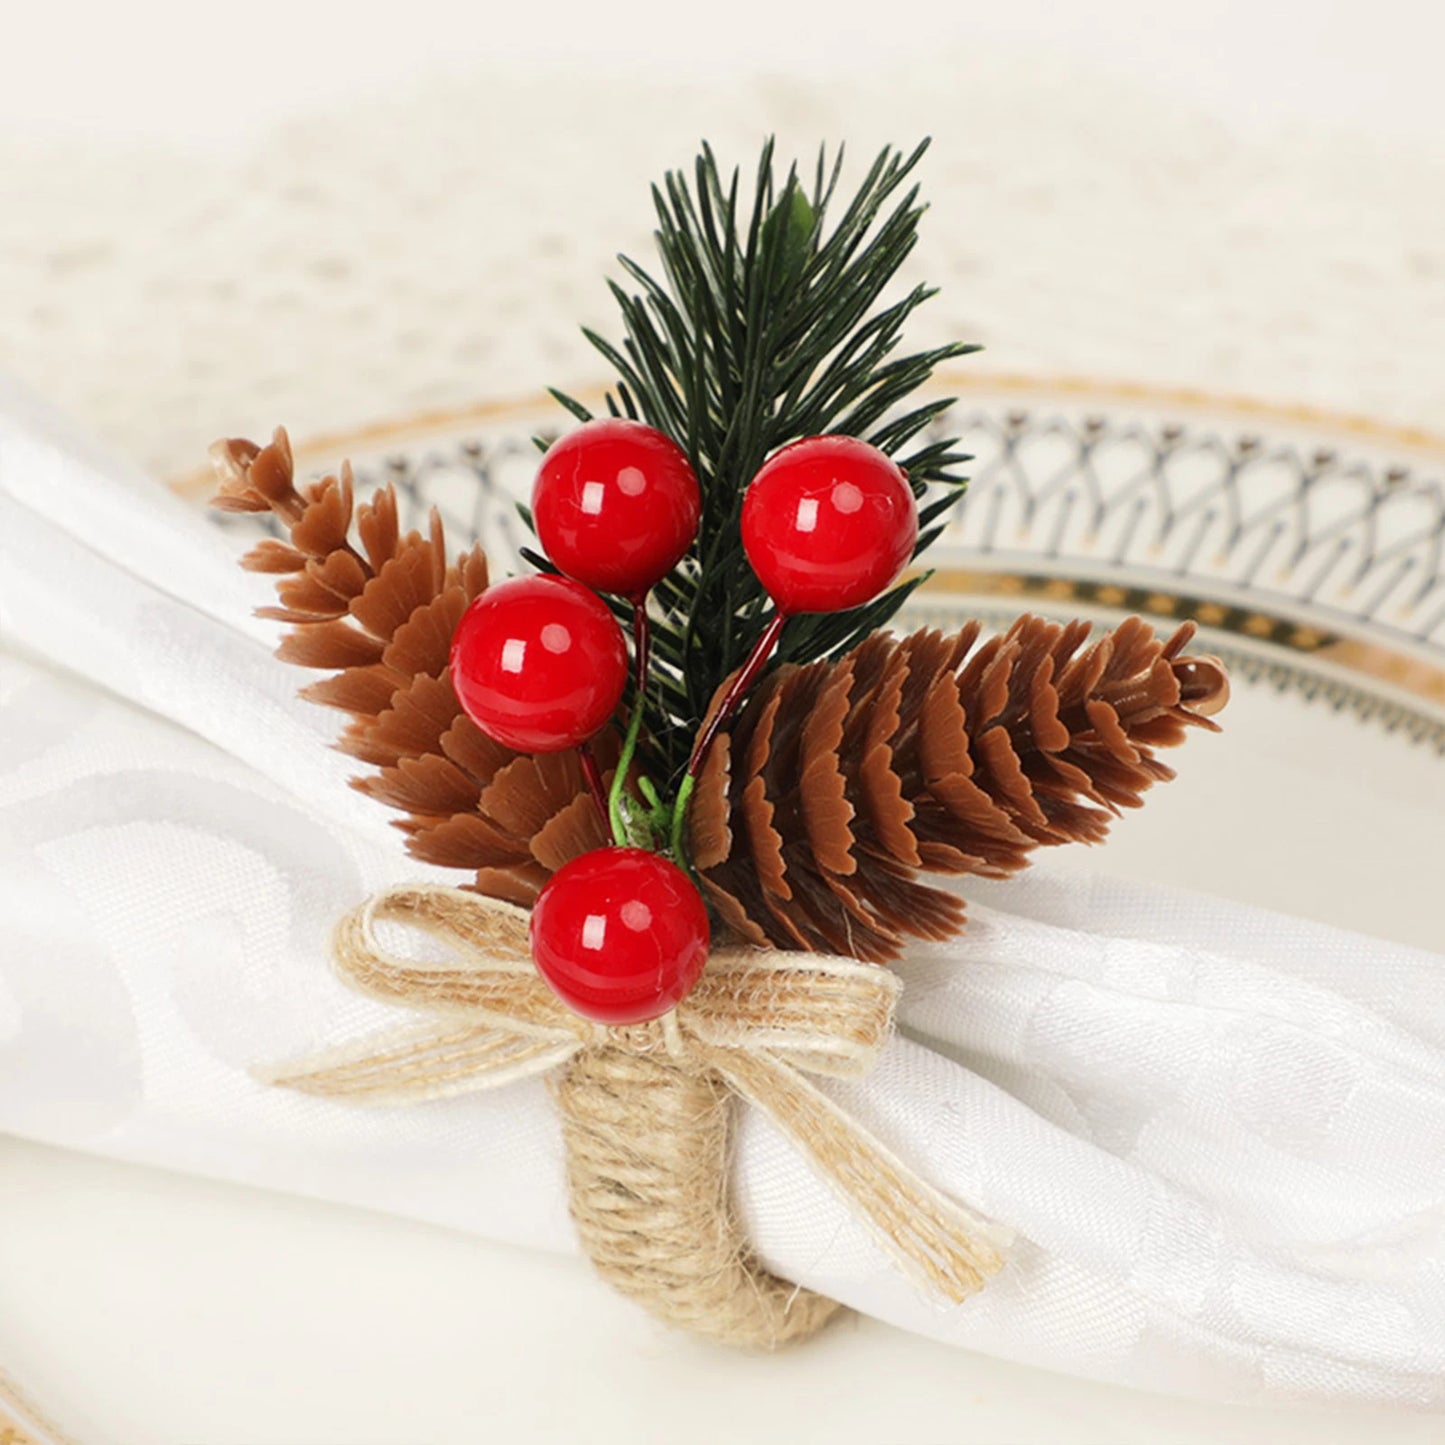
[841, 782]
[380, 618]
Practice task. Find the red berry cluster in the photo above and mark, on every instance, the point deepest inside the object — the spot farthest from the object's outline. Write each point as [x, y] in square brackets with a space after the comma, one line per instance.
[540, 663]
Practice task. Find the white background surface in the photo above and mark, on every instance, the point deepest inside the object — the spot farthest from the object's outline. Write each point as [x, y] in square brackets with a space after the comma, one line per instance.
[176, 71]
[147, 1308]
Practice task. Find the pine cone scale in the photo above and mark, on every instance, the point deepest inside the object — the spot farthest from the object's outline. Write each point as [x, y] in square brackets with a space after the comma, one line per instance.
[847, 782]
[380, 620]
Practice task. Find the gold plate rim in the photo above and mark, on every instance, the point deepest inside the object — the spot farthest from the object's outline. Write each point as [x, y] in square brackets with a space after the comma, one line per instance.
[325, 448]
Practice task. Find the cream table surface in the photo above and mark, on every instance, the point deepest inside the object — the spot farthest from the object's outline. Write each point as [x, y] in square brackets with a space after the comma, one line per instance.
[1245, 197]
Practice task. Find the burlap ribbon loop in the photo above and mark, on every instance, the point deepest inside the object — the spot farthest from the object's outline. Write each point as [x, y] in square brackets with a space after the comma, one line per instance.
[759, 1021]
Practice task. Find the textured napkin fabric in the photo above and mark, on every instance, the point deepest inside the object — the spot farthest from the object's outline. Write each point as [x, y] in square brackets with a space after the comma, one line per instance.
[1219, 1133]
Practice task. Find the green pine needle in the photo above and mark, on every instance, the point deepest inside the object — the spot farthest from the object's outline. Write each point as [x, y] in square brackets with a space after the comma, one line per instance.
[764, 323]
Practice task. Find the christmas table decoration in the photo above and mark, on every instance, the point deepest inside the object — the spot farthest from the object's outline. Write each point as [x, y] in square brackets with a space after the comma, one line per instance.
[759, 488]
[1213, 1130]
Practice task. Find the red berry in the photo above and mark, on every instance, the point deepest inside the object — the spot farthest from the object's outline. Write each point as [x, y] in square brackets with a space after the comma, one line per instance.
[539, 663]
[620, 934]
[616, 505]
[828, 523]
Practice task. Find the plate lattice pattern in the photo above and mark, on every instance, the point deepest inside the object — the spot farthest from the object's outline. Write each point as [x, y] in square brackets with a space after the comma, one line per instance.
[1302, 530]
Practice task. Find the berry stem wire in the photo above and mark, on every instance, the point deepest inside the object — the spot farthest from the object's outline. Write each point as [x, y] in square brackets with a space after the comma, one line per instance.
[641, 642]
[593, 775]
[642, 652]
[746, 675]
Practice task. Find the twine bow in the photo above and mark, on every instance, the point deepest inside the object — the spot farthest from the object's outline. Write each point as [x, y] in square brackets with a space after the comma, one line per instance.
[761, 1020]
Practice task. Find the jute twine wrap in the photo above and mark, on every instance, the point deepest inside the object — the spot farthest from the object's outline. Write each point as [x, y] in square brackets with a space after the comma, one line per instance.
[646, 1112]
[652, 1205]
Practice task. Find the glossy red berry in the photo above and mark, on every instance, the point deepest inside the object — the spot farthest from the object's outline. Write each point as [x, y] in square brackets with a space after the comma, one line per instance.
[538, 663]
[620, 934]
[828, 523]
[616, 505]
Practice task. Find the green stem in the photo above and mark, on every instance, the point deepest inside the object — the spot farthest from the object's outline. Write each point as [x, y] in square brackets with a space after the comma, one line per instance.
[619, 778]
[679, 821]
[641, 648]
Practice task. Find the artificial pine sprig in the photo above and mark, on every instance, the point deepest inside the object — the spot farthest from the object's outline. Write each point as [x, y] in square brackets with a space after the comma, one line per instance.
[492, 715]
[766, 326]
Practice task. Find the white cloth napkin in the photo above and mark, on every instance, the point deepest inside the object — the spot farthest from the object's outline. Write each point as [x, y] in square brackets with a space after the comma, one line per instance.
[1219, 1133]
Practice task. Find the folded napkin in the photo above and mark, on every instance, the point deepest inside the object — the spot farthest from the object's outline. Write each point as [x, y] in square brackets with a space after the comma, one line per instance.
[1219, 1133]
